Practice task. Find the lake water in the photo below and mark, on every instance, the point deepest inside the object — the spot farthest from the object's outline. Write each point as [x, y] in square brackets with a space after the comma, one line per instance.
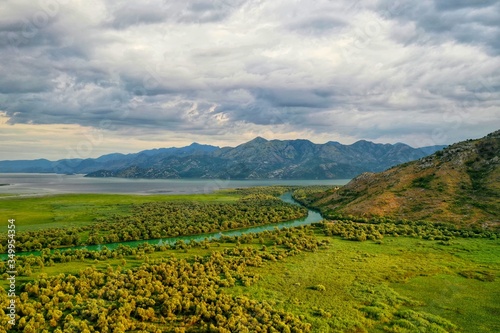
[38, 184]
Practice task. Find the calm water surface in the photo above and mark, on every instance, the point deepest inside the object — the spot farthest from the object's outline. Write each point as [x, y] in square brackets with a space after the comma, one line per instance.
[37, 184]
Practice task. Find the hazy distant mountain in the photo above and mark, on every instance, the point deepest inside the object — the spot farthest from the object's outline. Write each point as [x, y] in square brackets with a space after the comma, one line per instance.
[459, 184]
[110, 161]
[274, 159]
[40, 165]
[256, 159]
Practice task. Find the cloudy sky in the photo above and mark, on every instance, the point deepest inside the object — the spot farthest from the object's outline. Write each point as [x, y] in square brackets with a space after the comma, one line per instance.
[85, 78]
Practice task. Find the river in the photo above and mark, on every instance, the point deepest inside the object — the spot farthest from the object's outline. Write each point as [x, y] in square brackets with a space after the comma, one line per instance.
[312, 217]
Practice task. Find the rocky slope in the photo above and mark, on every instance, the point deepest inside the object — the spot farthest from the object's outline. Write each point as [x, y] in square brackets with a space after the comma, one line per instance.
[459, 184]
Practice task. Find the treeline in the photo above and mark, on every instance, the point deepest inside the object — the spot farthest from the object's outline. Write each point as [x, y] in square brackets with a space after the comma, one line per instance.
[163, 219]
[309, 194]
[170, 219]
[361, 231]
[260, 190]
[170, 294]
[45, 238]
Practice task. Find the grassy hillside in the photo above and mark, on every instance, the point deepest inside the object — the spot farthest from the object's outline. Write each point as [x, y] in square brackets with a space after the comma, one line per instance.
[459, 184]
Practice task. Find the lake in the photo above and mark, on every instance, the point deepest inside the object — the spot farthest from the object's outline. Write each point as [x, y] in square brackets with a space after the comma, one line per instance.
[39, 184]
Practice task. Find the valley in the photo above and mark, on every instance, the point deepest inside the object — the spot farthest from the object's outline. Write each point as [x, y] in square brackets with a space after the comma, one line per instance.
[255, 259]
[310, 278]
[237, 166]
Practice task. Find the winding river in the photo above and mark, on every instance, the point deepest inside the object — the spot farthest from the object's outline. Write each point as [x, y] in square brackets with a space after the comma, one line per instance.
[312, 217]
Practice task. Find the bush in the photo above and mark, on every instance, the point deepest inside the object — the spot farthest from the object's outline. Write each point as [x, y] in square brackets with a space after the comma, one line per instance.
[318, 287]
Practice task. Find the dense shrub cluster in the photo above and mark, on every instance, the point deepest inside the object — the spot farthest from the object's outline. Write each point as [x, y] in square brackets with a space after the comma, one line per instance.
[374, 231]
[171, 294]
[45, 238]
[170, 219]
[288, 242]
[260, 190]
[309, 194]
[164, 219]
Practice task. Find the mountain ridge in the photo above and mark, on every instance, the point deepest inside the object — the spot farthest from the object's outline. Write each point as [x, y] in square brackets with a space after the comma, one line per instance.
[256, 159]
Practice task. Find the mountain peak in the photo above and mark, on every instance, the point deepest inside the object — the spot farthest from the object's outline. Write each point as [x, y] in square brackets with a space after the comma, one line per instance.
[363, 142]
[200, 145]
[258, 158]
[258, 139]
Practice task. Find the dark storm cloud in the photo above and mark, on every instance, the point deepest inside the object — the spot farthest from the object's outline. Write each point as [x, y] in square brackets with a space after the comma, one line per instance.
[291, 98]
[317, 25]
[22, 34]
[24, 75]
[467, 22]
[444, 5]
[218, 67]
[127, 14]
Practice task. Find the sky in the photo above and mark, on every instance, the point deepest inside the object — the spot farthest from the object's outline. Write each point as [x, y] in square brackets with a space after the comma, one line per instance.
[80, 79]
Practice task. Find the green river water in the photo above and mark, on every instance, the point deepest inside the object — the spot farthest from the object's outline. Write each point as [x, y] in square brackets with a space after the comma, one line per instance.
[312, 217]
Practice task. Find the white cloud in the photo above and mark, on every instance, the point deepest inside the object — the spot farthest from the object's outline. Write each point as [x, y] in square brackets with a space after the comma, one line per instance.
[220, 72]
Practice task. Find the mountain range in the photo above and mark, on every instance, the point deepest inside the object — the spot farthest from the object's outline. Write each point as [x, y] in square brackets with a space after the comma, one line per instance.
[459, 184]
[256, 159]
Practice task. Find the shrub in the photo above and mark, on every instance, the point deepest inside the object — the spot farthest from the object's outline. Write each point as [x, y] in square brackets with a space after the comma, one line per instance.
[319, 287]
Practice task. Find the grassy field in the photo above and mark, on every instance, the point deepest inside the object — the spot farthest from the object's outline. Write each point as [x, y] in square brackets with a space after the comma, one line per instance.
[70, 210]
[366, 284]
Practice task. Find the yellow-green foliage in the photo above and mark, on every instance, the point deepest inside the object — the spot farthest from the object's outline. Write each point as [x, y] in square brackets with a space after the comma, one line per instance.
[291, 280]
[162, 219]
[290, 277]
[166, 294]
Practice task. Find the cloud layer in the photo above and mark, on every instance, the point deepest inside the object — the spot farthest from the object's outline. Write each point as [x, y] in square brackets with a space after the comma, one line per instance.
[220, 71]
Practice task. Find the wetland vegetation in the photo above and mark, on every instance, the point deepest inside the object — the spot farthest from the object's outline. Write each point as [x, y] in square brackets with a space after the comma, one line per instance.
[343, 275]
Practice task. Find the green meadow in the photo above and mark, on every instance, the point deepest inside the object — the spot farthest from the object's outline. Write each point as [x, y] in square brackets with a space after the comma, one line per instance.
[367, 284]
[73, 210]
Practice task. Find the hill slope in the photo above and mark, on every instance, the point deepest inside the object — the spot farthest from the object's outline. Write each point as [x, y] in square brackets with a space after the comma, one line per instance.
[459, 184]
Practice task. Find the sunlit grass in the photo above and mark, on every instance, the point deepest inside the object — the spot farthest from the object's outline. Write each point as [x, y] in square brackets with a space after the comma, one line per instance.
[69, 210]
[421, 275]
[471, 304]
[348, 287]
